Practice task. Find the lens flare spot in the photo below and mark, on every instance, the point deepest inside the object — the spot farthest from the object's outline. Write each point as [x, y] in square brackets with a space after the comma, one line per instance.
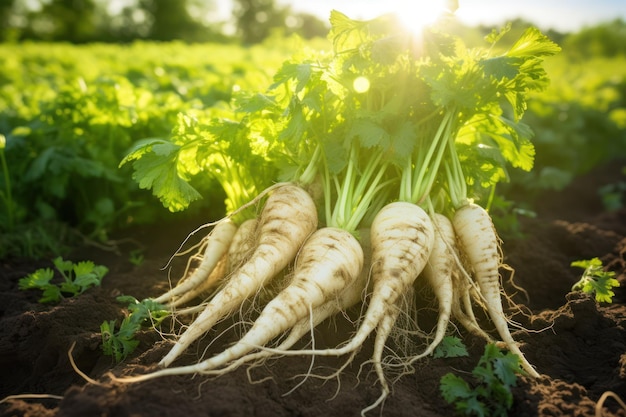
[361, 84]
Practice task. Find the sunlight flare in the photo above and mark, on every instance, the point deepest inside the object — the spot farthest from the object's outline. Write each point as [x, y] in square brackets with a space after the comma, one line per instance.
[416, 15]
[361, 84]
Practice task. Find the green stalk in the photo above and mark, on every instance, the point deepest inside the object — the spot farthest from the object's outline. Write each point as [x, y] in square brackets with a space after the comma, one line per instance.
[235, 188]
[406, 181]
[326, 182]
[355, 190]
[492, 194]
[456, 178]
[364, 180]
[344, 193]
[427, 168]
[429, 181]
[363, 206]
[310, 172]
[381, 197]
[423, 166]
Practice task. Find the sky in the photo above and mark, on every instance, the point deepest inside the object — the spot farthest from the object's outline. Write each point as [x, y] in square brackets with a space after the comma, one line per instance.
[562, 15]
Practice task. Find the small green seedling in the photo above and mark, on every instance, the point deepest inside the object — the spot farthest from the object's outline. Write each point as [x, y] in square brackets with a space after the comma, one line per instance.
[77, 277]
[122, 342]
[136, 257]
[491, 394]
[596, 280]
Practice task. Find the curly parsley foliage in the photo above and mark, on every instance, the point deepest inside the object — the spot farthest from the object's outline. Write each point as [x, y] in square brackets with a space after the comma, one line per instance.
[425, 116]
[233, 152]
[156, 167]
[385, 115]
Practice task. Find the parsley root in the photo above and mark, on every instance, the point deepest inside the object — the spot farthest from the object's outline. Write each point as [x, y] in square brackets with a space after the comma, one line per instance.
[322, 272]
[478, 240]
[288, 218]
[217, 246]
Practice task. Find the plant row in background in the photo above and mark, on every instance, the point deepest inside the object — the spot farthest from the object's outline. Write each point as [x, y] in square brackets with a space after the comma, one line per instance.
[580, 124]
[68, 115]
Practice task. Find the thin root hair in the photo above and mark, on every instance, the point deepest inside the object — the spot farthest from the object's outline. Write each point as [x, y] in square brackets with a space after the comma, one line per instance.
[214, 339]
[336, 375]
[31, 397]
[462, 271]
[76, 369]
[304, 379]
[511, 281]
[202, 243]
[253, 381]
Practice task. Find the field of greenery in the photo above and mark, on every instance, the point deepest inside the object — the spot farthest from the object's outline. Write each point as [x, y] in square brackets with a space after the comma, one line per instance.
[102, 142]
[69, 114]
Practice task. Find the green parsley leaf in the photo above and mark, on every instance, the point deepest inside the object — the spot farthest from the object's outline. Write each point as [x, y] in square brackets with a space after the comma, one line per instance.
[454, 388]
[450, 347]
[533, 44]
[38, 279]
[157, 169]
[596, 280]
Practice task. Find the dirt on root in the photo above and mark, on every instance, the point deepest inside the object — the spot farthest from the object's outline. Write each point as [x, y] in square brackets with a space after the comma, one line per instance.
[577, 345]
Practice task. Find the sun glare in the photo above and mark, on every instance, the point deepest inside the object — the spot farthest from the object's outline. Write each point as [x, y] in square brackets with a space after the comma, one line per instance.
[361, 84]
[415, 15]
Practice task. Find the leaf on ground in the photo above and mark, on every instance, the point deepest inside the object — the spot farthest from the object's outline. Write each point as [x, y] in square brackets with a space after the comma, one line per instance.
[38, 279]
[473, 407]
[506, 367]
[51, 294]
[602, 287]
[454, 388]
[596, 280]
[450, 347]
[63, 266]
[83, 268]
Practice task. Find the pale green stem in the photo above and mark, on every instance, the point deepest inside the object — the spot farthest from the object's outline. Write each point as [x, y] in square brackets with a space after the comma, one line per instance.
[434, 144]
[406, 181]
[235, 188]
[341, 213]
[365, 178]
[492, 195]
[361, 209]
[327, 187]
[424, 181]
[309, 173]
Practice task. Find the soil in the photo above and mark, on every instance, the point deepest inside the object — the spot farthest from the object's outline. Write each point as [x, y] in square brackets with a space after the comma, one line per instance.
[577, 344]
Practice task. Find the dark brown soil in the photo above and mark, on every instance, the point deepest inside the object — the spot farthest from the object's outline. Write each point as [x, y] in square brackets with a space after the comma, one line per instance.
[578, 345]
